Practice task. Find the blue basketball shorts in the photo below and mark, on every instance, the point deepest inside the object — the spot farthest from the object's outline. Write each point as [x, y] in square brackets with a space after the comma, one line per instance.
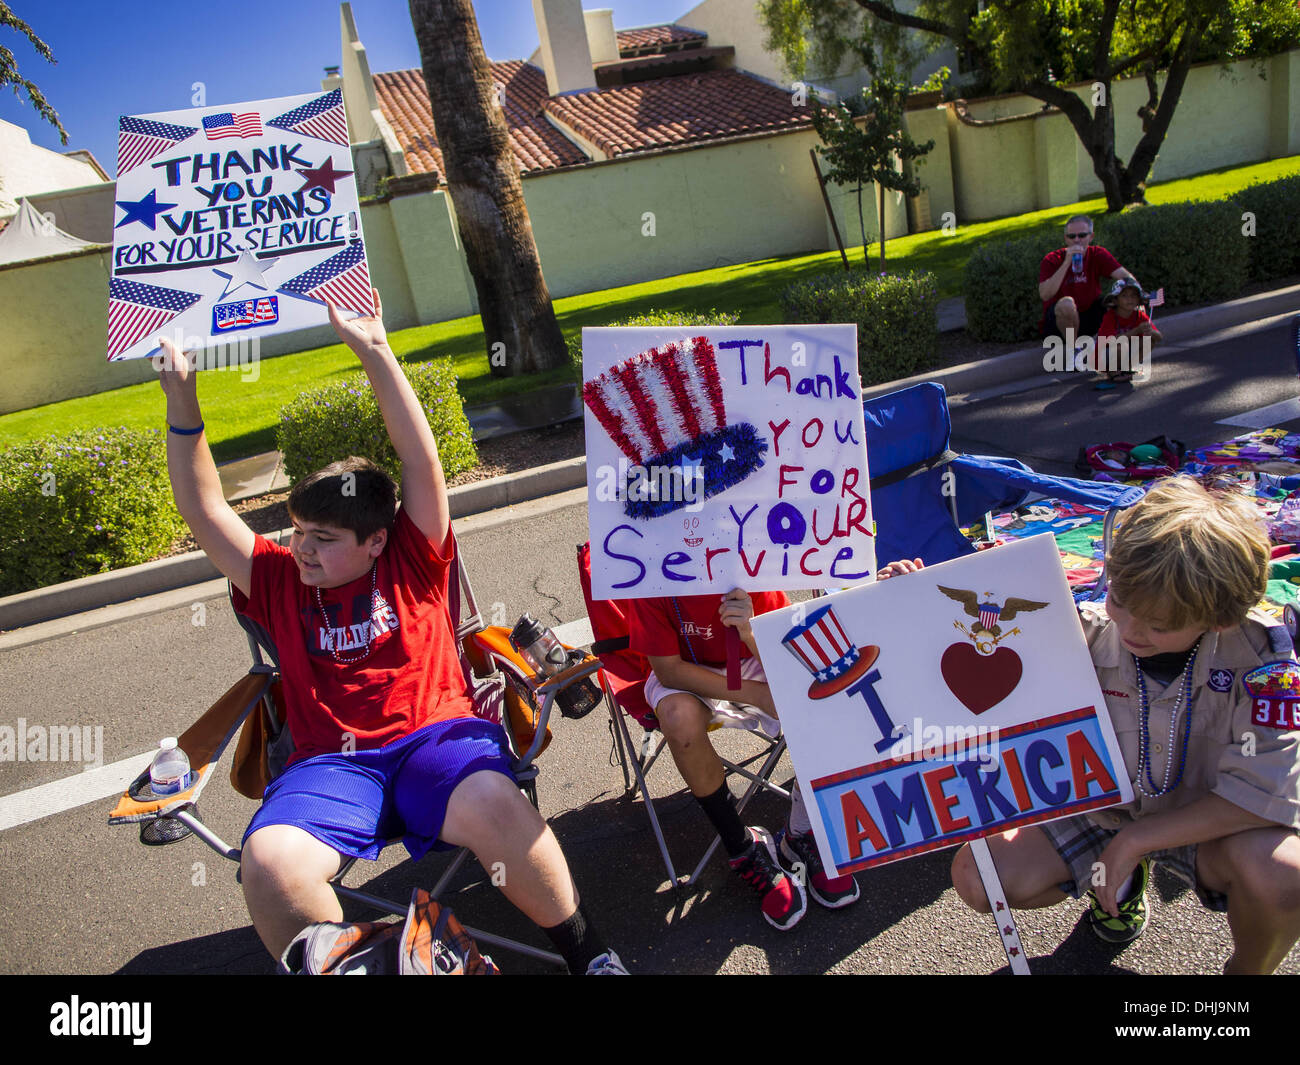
[357, 802]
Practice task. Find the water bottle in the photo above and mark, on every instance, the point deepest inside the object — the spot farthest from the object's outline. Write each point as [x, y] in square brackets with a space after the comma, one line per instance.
[169, 772]
[538, 646]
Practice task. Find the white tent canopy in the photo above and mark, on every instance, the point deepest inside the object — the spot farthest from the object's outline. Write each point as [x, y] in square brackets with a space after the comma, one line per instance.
[29, 235]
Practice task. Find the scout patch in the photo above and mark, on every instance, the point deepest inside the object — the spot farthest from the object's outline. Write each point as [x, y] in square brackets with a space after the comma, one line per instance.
[1275, 691]
[1220, 680]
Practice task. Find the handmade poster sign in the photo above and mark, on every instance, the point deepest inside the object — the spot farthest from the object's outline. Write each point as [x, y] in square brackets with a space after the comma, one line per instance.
[944, 705]
[725, 457]
[234, 220]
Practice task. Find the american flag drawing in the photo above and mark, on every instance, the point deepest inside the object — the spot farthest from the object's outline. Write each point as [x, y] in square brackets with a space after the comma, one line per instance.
[245, 313]
[342, 279]
[135, 310]
[322, 118]
[989, 613]
[232, 124]
[139, 140]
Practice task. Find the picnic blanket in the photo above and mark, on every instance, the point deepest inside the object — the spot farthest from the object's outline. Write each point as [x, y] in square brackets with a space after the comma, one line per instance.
[1263, 464]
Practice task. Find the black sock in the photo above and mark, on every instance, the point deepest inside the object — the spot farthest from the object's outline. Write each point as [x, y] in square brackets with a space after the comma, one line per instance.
[722, 812]
[578, 940]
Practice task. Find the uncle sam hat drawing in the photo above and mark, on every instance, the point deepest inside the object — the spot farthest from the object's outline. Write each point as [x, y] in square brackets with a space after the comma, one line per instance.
[826, 651]
[664, 408]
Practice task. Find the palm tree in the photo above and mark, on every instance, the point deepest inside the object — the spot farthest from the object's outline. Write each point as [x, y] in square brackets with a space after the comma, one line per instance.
[483, 180]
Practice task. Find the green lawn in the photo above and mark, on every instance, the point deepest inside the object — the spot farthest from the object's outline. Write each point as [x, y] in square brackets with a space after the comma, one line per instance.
[242, 415]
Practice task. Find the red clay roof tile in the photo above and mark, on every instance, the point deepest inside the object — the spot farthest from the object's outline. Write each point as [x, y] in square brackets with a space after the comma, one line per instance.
[638, 41]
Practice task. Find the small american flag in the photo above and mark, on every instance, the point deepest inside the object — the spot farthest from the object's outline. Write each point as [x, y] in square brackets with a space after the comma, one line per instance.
[322, 118]
[341, 279]
[139, 140]
[230, 124]
[1157, 298]
[135, 310]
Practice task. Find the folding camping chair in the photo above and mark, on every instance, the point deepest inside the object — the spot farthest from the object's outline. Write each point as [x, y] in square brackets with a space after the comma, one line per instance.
[622, 676]
[923, 493]
[264, 746]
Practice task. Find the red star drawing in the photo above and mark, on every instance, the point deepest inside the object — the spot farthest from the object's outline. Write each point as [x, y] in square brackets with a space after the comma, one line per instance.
[1008, 930]
[322, 177]
[1001, 906]
[1014, 951]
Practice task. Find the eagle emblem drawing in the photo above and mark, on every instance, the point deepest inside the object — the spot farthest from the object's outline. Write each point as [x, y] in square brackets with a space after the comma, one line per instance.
[982, 673]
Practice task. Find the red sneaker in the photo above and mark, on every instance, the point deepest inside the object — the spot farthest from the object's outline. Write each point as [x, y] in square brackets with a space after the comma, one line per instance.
[800, 851]
[784, 901]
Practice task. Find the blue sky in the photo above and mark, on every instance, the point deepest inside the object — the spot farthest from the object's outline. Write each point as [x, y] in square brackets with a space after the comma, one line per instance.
[122, 59]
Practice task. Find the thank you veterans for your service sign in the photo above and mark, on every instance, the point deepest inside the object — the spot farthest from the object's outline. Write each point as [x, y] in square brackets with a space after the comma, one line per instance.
[234, 220]
[724, 457]
[940, 706]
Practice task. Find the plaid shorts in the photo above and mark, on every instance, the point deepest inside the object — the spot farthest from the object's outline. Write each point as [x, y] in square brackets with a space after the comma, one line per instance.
[1079, 841]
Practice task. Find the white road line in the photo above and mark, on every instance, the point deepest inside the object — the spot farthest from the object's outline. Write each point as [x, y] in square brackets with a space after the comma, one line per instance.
[71, 792]
[1265, 417]
[574, 633]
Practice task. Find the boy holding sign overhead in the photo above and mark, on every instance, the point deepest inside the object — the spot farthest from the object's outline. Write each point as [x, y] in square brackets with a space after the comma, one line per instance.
[1205, 703]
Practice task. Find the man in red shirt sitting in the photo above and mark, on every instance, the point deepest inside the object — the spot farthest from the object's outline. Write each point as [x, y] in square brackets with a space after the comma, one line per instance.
[385, 736]
[1069, 282]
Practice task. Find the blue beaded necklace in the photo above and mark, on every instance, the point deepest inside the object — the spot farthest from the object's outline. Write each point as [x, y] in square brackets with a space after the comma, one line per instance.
[1144, 736]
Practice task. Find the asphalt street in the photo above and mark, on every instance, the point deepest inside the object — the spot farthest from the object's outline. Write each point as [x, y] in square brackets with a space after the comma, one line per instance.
[79, 897]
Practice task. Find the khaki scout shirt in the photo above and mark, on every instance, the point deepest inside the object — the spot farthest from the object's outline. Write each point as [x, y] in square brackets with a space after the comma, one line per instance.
[1266, 783]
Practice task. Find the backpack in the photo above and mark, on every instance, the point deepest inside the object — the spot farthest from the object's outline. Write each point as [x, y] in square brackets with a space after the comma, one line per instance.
[1114, 462]
[430, 942]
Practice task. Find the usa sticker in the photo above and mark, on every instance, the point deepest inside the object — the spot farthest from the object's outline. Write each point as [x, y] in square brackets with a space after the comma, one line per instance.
[1220, 680]
[245, 314]
[1275, 693]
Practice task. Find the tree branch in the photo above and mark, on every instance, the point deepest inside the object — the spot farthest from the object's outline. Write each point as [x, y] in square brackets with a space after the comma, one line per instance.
[898, 18]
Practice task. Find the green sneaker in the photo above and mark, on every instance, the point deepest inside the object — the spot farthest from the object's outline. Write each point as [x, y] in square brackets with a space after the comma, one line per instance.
[1132, 919]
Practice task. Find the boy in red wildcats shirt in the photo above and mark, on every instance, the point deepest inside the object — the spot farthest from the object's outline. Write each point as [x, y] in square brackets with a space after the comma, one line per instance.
[386, 741]
[1071, 294]
[683, 638]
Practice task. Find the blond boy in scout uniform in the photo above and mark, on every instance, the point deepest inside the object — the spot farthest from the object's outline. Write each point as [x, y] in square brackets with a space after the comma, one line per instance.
[1205, 702]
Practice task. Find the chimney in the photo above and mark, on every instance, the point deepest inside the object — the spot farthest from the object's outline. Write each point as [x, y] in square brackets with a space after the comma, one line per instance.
[566, 56]
[601, 38]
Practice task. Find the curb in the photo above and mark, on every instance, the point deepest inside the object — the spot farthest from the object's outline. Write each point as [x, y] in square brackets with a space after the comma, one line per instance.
[150, 578]
[181, 571]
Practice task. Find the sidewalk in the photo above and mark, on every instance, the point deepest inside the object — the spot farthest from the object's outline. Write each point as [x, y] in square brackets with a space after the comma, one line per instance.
[262, 473]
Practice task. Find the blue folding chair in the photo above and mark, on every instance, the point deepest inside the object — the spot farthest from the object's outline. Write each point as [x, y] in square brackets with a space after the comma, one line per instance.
[923, 492]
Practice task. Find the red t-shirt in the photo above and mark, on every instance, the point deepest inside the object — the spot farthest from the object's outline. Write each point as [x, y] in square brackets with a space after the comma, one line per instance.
[657, 629]
[1084, 285]
[1112, 325]
[412, 676]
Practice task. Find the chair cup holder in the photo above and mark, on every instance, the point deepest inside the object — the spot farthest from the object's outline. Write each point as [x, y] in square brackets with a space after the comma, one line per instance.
[159, 831]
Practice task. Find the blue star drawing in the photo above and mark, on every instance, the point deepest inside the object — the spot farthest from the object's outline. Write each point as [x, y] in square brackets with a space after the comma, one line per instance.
[727, 454]
[145, 211]
[246, 270]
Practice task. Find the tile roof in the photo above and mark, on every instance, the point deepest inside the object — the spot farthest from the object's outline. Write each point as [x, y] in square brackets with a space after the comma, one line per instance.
[538, 145]
[642, 116]
[653, 37]
[676, 111]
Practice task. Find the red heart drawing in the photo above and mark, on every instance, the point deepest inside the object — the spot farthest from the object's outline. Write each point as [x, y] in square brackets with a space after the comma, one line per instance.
[980, 681]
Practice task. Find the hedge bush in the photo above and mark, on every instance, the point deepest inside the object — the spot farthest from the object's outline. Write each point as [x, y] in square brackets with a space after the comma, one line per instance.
[1194, 251]
[1001, 289]
[1274, 248]
[896, 316]
[330, 423]
[652, 320]
[83, 503]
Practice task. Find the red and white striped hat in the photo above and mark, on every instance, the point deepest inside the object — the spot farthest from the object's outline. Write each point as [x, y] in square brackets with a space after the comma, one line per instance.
[659, 399]
[824, 648]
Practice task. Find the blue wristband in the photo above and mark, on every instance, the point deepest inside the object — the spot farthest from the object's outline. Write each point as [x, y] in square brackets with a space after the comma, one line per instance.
[185, 432]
